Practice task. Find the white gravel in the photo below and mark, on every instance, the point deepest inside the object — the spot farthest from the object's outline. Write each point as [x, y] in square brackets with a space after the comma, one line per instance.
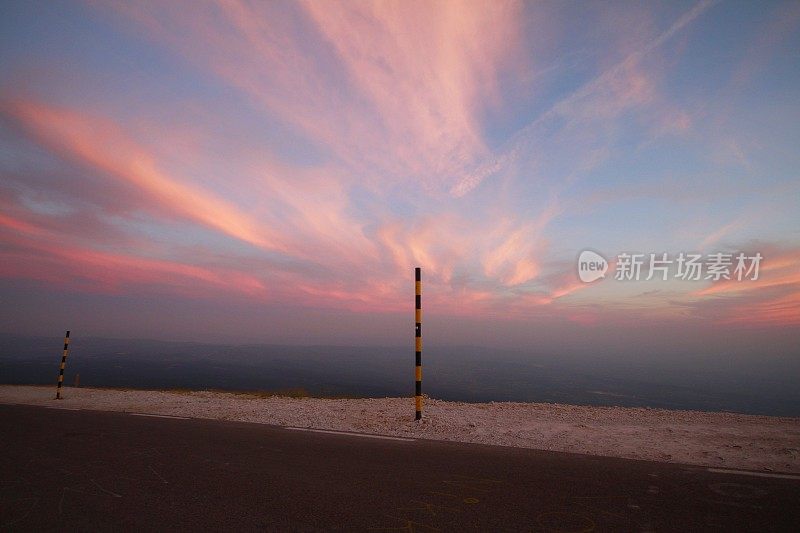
[724, 440]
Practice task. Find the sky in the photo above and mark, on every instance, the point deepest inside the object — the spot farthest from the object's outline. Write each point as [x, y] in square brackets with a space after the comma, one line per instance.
[273, 172]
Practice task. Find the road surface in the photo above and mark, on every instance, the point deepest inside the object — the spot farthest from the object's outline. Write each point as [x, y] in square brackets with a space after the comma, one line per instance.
[89, 470]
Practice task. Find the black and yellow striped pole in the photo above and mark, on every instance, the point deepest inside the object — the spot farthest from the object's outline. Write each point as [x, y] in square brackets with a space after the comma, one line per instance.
[63, 363]
[418, 340]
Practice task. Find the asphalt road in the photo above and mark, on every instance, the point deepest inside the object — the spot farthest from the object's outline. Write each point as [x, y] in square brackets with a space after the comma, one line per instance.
[91, 470]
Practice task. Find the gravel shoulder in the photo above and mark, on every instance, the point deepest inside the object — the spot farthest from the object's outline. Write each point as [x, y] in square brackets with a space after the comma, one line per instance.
[722, 440]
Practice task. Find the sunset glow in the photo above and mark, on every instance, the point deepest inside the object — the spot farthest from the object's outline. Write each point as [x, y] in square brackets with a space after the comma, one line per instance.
[274, 171]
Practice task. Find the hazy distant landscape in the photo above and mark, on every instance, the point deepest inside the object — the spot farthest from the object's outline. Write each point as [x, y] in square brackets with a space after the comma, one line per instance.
[471, 374]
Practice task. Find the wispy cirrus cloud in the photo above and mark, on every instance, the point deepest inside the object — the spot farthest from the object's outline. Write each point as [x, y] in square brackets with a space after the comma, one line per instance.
[104, 146]
[402, 87]
[36, 254]
[322, 251]
[428, 72]
[604, 97]
[311, 154]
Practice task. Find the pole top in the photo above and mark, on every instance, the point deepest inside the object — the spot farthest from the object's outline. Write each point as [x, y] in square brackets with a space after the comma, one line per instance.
[418, 273]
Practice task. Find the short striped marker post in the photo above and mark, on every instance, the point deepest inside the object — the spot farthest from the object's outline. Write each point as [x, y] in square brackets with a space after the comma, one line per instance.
[418, 340]
[63, 363]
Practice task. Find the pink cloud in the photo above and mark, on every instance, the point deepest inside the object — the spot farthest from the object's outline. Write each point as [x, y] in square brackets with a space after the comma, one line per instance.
[32, 254]
[515, 258]
[625, 85]
[19, 225]
[428, 103]
[714, 237]
[774, 298]
[104, 146]
[383, 105]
